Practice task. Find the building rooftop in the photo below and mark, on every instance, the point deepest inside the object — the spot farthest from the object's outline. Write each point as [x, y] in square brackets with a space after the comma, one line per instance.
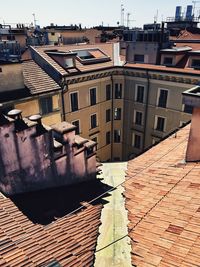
[189, 71]
[99, 51]
[177, 49]
[36, 79]
[35, 229]
[163, 201]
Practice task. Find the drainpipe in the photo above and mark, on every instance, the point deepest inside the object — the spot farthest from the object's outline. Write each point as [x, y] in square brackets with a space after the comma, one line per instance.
[112, 106]
[64, 86]
[146, 109]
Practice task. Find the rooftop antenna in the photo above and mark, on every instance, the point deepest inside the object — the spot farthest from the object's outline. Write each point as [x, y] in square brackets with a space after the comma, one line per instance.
[34, 19]
[128, 19]
[122, 15]
[156, 17]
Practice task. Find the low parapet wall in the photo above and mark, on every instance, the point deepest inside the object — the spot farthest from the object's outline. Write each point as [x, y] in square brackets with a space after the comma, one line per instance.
[34, 157]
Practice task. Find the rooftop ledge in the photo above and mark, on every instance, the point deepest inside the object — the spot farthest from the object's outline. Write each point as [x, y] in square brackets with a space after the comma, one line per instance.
[191, 97]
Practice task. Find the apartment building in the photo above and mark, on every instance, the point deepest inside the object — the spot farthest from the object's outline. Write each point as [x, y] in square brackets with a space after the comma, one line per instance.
[124, 107]
[25, 86]
[153, 104]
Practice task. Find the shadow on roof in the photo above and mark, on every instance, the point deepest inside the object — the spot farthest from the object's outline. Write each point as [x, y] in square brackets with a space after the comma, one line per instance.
[44, 207]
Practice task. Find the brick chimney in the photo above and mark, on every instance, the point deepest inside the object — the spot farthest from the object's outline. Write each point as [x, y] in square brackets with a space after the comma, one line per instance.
[191, 97]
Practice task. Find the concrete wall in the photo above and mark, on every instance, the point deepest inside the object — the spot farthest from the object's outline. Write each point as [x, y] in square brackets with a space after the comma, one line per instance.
[149, 50]
[11, 77]
[30, 159]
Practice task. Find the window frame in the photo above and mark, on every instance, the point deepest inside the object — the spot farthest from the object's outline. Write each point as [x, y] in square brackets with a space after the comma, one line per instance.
[194, 66]
[95, 102]
[108, 86]
[156, 123]
[158, 97]
[40, 105]
[119, 87]
[135, 116]
[139, 61]
[117, 116]
[71, 93]
[96, 124]
[134, 140]
[168, 57]
[136, 93]
[109, 115]
[108, 140]
[117, 141]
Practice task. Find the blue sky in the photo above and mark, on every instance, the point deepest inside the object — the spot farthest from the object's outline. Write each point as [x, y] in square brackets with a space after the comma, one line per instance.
[87, 12]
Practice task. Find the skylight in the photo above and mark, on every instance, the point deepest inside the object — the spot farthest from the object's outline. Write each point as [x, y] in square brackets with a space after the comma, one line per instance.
[91, 56]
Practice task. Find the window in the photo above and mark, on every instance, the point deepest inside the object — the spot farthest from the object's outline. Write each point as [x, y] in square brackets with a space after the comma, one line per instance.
[108, 113]
[46, 105]
[162, 99]
[108, 138]
[77, 124]
[139, 58]
[69, 63]
[188, 109]
[136, 141]
[196, 63]
[93, 96]
[168, 61]
[93, 121]
[117, 114]
[108, 92]
[10, 37]
[138, 117]
[159, 123]
[118, 90]
[140, 93]
[74, 101]
[52, 33]
[117, 136]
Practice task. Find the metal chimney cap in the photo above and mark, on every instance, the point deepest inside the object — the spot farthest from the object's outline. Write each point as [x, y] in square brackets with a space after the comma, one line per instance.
[36, 117]
[14, 112]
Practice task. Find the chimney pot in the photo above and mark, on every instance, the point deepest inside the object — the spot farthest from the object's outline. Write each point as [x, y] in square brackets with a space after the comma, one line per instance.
[37, 118]
[15, 114]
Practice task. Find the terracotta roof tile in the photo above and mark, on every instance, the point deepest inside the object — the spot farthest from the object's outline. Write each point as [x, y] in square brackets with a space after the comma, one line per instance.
[70, 240]
[162, 197]
[36, 79]
[162, 68]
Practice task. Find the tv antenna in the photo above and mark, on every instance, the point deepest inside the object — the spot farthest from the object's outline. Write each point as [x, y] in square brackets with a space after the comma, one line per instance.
[156, 17]
[129, 20]
[122, 15]
[34, 17]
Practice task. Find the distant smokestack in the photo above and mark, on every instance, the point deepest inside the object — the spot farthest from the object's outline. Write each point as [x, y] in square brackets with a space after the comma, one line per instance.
[189, 12]
[178, 13]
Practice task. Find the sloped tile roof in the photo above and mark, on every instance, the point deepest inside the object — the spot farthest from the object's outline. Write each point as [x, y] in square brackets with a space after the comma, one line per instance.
[105, 48]
[36, 79]
[69, 241]
[163, 201]
[186, 35]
